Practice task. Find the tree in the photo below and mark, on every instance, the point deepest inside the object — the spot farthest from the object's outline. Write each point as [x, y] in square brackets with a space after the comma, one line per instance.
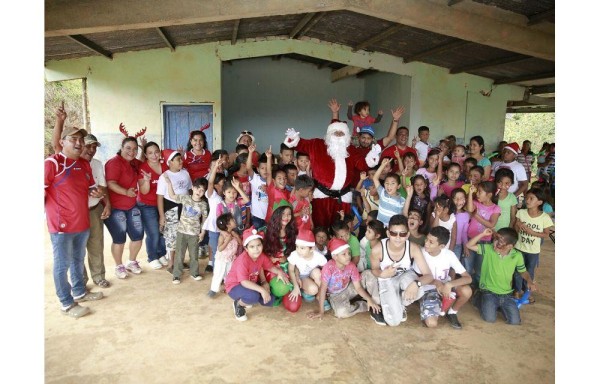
[71, 91]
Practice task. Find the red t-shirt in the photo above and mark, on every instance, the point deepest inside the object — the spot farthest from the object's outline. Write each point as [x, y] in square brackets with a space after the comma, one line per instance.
[389, 152]
[150, 197]
[298, 205]
[197, 165]
[67, 183]
[125, 173]
[275, 196]
[244, 268]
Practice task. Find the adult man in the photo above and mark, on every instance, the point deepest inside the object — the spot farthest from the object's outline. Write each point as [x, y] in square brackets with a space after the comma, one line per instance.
[333, 164]
[509, 160]
[67, 180]
[401, 146]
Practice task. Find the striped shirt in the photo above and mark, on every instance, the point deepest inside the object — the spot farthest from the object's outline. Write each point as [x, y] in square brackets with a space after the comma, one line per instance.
[388, 205]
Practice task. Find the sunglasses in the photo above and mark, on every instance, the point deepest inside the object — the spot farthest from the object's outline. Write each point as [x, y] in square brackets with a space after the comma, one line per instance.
[397, 234]
[246, 133]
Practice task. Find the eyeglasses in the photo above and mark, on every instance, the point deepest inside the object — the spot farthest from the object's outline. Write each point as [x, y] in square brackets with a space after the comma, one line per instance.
[397, 234]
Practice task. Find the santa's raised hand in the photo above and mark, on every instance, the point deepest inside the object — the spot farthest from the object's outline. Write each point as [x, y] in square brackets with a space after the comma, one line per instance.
[291, 137]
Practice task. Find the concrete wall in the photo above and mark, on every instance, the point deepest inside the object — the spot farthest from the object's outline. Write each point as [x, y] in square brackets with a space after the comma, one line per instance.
[386, 91]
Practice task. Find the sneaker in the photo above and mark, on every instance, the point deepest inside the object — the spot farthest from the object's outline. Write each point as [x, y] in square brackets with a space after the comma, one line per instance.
[453, 319]
[211, 294]
[197, 278]
[134, 267]
[404, 315]
[377, 317]
[89, 296]
[163, 260]
[176, 280]
[120, 271]
[239, 311]
[326, 306]
[76, 311]
[155, 264]
[209, 269]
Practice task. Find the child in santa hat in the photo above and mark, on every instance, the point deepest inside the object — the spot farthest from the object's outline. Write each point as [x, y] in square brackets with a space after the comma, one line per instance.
[335, 284]
[245, 283]
[304, 265]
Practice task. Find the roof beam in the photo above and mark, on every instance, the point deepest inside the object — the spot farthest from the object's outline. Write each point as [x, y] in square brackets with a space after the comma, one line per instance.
[494, 27]
[452, 2]
[311, 24]
[539, 17]
[301, 24]
[489, 63]
[234, 34]
[166, 39]
[541, 89]
[91, 46]
[521, 79]
[344, 72]
[540, 100]
[435, 50]
[530, 110]
[383, 35]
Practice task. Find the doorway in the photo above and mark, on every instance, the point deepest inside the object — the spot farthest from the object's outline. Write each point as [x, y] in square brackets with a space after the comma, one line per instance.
[179, 120]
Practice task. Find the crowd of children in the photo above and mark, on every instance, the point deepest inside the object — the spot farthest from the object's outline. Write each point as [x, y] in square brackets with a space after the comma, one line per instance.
[433, 225]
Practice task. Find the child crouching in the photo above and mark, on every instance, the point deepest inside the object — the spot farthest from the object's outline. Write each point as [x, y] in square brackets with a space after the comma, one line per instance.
[304, 265]
[245, 283]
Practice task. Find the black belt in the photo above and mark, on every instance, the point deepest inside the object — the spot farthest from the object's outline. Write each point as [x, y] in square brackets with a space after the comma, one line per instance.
[332, 193]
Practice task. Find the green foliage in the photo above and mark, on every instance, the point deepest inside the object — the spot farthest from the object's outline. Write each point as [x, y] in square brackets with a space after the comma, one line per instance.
[71, 91]
[535, 127]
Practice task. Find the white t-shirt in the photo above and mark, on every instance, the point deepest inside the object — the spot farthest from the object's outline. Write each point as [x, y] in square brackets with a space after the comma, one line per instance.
[98, 173]
[422, 149]
[182, 183]
[260, 200]
[448, 225]
[210, 224]
[517, 168]
[305, 266]
[440, 266]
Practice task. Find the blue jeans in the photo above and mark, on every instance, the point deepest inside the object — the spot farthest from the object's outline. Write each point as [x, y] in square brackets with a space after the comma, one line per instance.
[489, 302]
[69, 252]
[458, 251]
[121, 223]
[532, 260]
[155, 242]
[213, 242]
[249, 296]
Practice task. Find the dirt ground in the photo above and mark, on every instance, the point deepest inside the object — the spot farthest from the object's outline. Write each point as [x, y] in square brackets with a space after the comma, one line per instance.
[147, 330]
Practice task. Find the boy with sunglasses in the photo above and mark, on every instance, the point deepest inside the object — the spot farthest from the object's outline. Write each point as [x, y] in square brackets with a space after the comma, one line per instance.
[500, 260]
[391, 264]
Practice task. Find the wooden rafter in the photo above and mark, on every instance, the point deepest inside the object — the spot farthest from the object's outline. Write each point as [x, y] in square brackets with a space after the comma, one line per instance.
[301, 24]
[489, 63]
[234, 34]
[540, 100]
[163, 34]
[520, 79]
[530, 110]
[435, 50]
[383, 35]
[91, 46]
[344, 72]
[452, 2]
[311, 24]
[539, 17]
[541, 89]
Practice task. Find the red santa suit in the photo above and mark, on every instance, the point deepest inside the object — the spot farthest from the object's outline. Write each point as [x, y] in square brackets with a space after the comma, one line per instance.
[333, 177]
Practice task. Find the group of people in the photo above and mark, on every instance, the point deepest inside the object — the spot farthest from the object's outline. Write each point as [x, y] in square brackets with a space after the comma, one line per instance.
[366, 227]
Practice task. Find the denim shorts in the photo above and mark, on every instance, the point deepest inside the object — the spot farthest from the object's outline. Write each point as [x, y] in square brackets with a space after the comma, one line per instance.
[121, 223]
[431, 304]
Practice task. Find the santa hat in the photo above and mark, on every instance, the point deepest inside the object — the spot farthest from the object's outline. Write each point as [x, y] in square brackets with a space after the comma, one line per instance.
[305, 238]
[338, 126]
[249, 235]
[168, 155]
[336, 246]
[513, 147]
[245, 133]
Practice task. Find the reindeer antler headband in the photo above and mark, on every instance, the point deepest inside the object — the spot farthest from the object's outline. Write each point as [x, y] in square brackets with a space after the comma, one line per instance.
[202, 128]
[124, 131]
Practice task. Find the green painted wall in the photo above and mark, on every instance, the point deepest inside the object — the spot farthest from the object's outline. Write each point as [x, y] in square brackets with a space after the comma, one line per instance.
[386, 91]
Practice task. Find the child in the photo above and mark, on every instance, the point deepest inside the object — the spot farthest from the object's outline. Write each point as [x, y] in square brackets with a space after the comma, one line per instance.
[440, 260]
[407, 168]
[418, 197]
[277, 194]
[459, 198]
[304, 265]
[231, 203]
[189, 230]
[245, 283]
[258, 184]
[303, 164]
[475, 177]
[533, 225]
[432, 170]
[335, 284]
[375, 232]
[390, 202]
[229, 241]
[291, 172]
[484, 215]
[213, 194]
[415, 222]
[459, 155]
[500, 260]
[368, 192]
[507, 201]
[443, 215]
[286, 155]
[452, 175]
[168, 210]
[361, 117]
[422, 146]
[321, 239]
[280, 236]
[340, 230]
[300, 203]
[469, 163]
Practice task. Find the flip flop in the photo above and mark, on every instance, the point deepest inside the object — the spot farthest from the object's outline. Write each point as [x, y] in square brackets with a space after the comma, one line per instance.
[102, 283]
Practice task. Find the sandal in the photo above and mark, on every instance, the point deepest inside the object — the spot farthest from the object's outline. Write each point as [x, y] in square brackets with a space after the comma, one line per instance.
[531, 300]
[102, 283]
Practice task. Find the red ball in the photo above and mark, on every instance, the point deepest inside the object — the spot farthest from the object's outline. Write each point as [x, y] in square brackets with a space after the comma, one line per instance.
[292, 306]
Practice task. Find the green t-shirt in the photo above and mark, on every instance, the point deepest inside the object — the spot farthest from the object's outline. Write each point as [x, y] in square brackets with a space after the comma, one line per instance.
[505, 206]
[354, 246]
[497, 272]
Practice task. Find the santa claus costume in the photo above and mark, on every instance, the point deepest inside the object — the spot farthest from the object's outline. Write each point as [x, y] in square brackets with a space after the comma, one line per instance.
[333, 168]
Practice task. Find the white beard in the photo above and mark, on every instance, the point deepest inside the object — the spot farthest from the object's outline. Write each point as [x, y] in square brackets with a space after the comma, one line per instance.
[337, 146]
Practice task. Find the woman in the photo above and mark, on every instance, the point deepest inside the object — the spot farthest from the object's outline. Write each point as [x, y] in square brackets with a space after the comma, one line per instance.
[197, 158]
[477, 148]
[125, 219]
[147, 204]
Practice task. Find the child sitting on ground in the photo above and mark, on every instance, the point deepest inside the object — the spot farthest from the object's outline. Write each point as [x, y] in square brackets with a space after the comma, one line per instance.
[304, 265]
[335, 285]
[245, 283]
[227, 250]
